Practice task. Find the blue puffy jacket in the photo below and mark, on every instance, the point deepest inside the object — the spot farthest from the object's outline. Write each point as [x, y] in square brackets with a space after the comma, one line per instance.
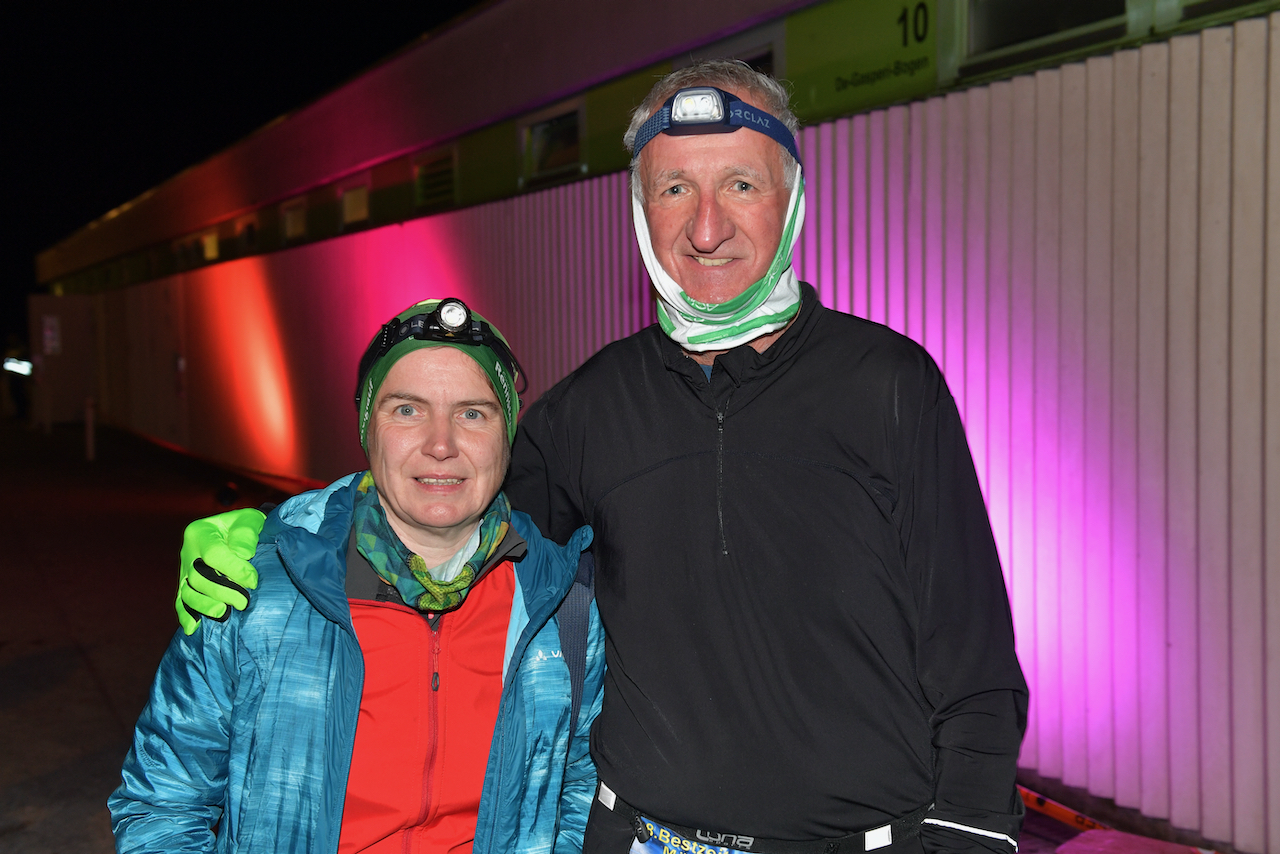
[251, 722]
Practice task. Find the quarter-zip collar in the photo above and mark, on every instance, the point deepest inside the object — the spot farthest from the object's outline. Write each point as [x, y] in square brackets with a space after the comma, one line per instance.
[736, 371]
[737, 376]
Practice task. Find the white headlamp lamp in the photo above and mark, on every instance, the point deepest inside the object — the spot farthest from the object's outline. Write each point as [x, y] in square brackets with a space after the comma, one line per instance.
[452, 315]
[697, 106]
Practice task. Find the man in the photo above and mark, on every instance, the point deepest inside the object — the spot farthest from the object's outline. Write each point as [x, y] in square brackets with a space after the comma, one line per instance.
[398, 682]
[809, 643]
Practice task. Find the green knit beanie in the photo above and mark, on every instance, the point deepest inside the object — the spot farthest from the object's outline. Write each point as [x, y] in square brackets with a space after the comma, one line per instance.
[501, 376]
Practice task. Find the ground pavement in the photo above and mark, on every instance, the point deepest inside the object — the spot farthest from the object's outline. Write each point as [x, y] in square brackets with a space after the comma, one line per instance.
[88, 560]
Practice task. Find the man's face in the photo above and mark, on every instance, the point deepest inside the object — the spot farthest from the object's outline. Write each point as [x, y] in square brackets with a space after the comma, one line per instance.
[716, 206]
[437, 447]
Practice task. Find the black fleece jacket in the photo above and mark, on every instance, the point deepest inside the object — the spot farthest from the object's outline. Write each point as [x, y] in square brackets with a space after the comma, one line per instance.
[808, 629]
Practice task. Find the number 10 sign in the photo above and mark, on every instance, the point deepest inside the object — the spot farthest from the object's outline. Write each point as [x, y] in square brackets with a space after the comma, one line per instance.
[851, 55]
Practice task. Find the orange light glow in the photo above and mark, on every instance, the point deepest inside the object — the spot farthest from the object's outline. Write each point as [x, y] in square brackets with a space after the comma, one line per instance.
[238, 369]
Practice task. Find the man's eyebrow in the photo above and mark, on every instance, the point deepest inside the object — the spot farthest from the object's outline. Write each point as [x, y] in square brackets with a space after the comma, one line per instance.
[751, 172]
[736, 169]
[658, 179]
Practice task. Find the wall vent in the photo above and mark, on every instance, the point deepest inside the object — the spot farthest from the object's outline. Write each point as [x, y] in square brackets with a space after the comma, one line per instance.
[433, 182]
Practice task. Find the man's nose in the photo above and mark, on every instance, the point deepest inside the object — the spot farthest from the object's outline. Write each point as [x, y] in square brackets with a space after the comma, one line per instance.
[711, 224]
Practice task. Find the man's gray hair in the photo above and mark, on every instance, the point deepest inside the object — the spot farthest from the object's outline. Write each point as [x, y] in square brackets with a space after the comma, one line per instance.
[731, 75]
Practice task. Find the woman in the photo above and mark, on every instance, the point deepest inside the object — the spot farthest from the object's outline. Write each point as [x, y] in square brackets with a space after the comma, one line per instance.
[397, 681]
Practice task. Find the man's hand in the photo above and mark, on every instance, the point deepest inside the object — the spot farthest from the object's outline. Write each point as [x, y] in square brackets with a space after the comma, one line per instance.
[215, 569]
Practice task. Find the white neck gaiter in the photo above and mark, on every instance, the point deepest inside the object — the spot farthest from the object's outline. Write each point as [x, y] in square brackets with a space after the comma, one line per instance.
[765, 307]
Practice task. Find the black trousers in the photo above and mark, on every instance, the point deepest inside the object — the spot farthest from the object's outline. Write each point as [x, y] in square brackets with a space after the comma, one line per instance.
[607, 831]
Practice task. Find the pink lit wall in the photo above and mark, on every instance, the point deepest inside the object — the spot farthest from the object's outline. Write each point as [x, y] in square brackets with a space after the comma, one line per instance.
[1084, 251]
[252, 362]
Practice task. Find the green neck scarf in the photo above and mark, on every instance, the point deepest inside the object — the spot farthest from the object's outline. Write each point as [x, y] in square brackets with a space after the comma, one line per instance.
[407, 572]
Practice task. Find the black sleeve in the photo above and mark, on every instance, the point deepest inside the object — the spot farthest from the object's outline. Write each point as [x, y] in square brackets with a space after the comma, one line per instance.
[538, 481]
[967, 665]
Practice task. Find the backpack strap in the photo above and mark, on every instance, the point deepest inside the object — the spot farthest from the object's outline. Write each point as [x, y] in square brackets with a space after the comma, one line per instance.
[573, 617]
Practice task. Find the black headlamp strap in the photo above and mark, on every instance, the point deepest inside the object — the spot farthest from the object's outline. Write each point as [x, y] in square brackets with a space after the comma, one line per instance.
[423, 327]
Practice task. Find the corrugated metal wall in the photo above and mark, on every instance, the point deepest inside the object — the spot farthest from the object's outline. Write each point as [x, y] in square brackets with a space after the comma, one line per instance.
[252, 362]
[1082, 250]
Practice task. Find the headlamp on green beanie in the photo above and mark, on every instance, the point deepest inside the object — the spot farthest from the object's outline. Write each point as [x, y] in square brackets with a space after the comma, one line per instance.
[439, 323]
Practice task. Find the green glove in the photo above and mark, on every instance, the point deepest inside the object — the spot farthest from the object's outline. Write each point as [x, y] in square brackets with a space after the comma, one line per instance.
[215, 569]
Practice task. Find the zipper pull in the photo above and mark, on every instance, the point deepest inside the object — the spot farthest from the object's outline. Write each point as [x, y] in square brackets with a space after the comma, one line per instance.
[435, 658]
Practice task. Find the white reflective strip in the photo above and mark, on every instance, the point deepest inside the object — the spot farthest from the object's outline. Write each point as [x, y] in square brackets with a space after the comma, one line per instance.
[990, 834]
[607, 797]
[878, 838]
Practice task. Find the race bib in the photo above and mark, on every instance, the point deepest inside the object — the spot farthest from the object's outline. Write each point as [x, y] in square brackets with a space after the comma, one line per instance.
[663, 840]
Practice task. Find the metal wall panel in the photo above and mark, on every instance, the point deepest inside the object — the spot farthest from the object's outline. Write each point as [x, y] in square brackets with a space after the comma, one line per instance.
[1153, 483]
[1072, 433]
[1248, 224]
[1213, 454]
[1024, 588]
[1099, 747]
[1271, 452]
[1181, 380]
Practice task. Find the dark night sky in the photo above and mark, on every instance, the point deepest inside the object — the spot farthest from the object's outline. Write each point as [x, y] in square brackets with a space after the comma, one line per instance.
[103, 103]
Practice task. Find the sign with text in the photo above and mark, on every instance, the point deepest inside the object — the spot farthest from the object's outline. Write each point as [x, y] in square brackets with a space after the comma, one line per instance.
[851, 55]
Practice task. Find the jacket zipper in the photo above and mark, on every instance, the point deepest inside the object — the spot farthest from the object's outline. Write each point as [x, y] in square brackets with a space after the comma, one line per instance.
[500, 728]
[433, 731]
[724, 543]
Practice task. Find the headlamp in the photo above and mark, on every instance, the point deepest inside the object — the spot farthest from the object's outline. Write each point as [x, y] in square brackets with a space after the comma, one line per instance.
[706, 109]
[697, 106]
[450, 322]
[453, 315]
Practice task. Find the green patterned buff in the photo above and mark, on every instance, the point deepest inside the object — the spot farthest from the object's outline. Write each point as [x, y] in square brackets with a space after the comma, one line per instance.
[406, 571]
